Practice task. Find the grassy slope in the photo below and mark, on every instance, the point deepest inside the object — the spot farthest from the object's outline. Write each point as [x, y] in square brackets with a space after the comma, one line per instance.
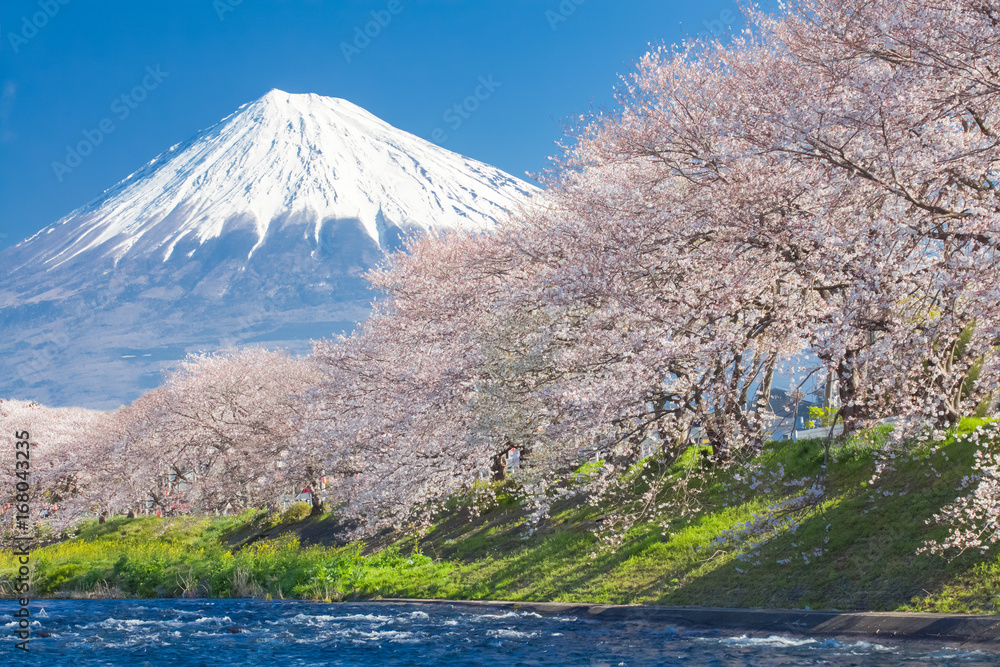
[867, 556]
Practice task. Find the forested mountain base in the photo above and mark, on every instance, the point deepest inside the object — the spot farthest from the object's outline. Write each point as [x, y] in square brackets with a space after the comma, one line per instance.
[842, 551]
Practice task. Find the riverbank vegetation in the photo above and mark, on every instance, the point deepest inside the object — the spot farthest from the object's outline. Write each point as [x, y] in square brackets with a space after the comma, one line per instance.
[856, 547]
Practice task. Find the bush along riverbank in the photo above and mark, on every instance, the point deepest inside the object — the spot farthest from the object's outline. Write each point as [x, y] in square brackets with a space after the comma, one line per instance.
[750, 537]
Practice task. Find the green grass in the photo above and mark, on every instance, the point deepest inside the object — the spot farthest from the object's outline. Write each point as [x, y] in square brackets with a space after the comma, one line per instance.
[857, 549]
[150, 557]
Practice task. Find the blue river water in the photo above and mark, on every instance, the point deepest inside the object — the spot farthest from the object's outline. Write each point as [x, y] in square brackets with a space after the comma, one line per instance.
[284, 634]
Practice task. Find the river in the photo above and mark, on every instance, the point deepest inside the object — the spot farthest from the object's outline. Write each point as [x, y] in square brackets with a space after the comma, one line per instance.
[256, 632]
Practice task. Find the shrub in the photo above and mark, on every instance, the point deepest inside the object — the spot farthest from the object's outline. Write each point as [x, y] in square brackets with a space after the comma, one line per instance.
[296, 512]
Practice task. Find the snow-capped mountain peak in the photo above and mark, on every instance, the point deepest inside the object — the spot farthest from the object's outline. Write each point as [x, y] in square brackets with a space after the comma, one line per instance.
[285, 159]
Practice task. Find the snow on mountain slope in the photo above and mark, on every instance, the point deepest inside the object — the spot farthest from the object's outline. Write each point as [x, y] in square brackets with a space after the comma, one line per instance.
[316, 158]
[255, 230]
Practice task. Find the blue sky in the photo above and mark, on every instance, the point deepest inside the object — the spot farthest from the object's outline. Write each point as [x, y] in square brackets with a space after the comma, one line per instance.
[142, 76]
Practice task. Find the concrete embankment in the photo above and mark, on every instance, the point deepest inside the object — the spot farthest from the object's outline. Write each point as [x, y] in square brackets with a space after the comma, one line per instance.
[980, 631]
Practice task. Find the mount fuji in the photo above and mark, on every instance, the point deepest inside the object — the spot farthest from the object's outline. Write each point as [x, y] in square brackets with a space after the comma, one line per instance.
[256, 230]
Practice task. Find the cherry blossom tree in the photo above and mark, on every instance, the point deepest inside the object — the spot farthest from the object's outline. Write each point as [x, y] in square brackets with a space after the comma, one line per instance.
[227, 424]
[130, 461]
[394, 412]
[840, 196]
[823, 184]
[58, 445]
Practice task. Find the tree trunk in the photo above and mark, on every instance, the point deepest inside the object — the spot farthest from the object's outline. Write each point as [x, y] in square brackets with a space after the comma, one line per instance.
[763, 400]
[499, 467]
[317, 503]
[847, 378]
[830, 393]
